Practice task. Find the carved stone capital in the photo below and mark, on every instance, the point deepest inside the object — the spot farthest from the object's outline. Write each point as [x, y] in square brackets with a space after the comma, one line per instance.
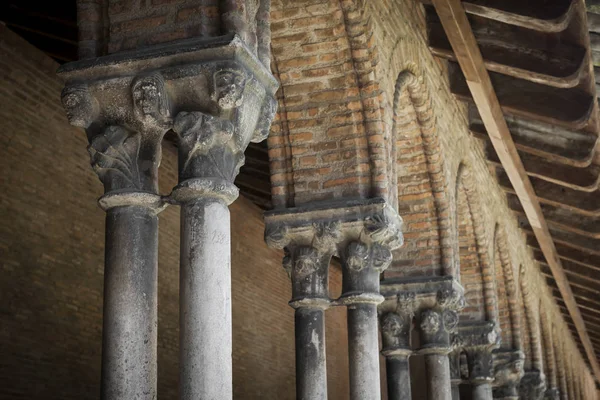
[434, 300]
[532, 385]
[213, 92]
[478, 342]
[361, 232]
[552, 394]
[395, 332]
[508, 371]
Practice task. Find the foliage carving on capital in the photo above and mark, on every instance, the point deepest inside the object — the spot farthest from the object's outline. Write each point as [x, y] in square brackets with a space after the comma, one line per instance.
[357, 255]
[431, 322]
[228, 88]
[532, 385]
[114, 156]
[450, 319]
[383, 229]
[450, 298]
[204, 147]
[327, 234]
[277, 236]
[151, 103]
[81, 107]
[267, 114]
[509, 372]
[395, 329]
[407, 303]
[306, 261]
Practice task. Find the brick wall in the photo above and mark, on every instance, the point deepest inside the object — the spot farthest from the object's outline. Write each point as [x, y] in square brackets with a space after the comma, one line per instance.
[51, 247]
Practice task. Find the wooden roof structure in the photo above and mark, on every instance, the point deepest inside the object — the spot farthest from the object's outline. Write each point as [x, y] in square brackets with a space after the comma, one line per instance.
[526, 70]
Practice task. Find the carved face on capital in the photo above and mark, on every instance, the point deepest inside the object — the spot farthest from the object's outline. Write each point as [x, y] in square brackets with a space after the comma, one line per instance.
[229, 88]
[150, 97]
[80, 106]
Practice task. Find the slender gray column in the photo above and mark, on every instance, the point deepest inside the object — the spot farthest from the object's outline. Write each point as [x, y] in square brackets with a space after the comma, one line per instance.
[395, 332]
[363, 346]
[311, 368]
[361, 265]
[398, 377]
[455, 375]
[308, 267]
[130, 304]
[482, 391]
[435, 327]
[205, 300]
[438, 377]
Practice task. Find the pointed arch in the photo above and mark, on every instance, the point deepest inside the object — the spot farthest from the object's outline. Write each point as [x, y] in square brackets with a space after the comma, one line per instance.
[560, 364]
[509, 315]
[475, 271]
[549, 360]
[418, 185]
[531, 319]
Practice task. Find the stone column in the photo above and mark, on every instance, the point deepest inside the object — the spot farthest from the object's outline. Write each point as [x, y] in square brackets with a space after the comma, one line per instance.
[436, 324]
[478, 341]
[481, 373]
[508, 370]
[125, 153]
[395, 332]
[211, 151]
[307, 263]
[362, 263]
[362, 233]
[436, 304]
[455, 375]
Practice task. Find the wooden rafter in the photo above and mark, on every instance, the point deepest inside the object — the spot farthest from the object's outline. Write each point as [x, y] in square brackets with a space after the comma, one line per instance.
[456, 25]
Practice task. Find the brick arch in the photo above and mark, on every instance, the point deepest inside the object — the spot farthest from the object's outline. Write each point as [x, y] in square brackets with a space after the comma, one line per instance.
[506, 293]
[549, 360]
[330, 137]
[533, 349]
[475, 271]
[417, 181]
[560, 364]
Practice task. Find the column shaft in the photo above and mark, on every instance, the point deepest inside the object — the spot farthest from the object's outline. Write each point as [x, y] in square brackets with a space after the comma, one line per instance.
[130, 304]
[205, 301]
[438, 377]
[482, 392]
[398, 377]
[455, 392]
[363, 345]
[311, 368]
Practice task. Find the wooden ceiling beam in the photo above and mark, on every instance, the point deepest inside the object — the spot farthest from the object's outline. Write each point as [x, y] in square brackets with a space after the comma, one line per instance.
[455, 23]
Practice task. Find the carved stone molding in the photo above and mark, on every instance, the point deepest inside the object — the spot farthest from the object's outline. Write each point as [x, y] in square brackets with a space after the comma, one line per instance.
[508, 371]
[478, 341]
[552, 394]
[361, 232]
[532, 385]
[435, 301]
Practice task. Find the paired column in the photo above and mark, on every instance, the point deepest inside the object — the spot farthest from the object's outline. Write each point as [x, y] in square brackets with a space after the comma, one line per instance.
[217, 96]
[362, 234]
[395, 331]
